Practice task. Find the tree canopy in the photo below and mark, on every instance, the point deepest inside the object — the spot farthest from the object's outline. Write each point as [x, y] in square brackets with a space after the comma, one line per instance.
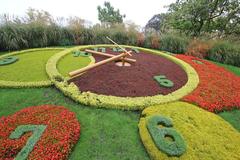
[157, 23]
[108, 14]
[195, 17]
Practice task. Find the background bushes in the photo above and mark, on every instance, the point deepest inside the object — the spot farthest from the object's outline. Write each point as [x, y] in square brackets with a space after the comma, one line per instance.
[198, 48]
[173, 44]
[39, 29]
[225, 52]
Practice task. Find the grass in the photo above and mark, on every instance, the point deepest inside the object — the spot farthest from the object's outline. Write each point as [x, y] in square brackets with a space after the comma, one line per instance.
[70, 63]
[29, 67]
[233, 117]
[4, 52]
[235, 70]
[105, 134]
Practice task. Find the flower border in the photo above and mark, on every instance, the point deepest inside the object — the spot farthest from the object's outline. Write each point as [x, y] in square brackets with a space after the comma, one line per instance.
[19, 84]
[218, 89]
[127, 103]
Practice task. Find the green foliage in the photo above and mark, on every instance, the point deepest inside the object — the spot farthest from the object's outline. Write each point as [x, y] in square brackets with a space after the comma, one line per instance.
[196, 17]
[108, 14]
[157, 23]
[173, 44]
[175, 145]
[233, 117]
[225, 52]
[8, 60]
[103, 133]
[13, 37]
[152, 40]
[118, 32]
[20, 130]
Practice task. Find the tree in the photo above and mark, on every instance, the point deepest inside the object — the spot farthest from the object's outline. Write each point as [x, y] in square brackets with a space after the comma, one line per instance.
[108, 14]
[39, 17]
[195, 17]
[157, 23]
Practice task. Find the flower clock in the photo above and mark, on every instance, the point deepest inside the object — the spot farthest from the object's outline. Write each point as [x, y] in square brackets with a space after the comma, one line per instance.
[39, 132]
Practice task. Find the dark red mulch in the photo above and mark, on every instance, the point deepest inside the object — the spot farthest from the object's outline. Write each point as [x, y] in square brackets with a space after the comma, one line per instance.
[134, 81]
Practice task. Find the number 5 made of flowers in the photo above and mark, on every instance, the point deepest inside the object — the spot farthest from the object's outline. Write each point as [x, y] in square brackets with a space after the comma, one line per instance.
[163, 81]
[37, 131]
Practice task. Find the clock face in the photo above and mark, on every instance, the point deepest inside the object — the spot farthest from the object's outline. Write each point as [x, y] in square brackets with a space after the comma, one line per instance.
[150, 77]
[137, 79]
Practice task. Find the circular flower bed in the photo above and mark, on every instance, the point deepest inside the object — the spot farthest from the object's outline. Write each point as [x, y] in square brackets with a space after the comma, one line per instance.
[133, 103]
[206, 135]
[55, 130]
[135, 81]
[218, 89]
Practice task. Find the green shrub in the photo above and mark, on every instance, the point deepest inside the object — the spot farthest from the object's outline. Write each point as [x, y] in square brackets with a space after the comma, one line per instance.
[225, 52]
[173, 44]
[120, 37]
[152, 40]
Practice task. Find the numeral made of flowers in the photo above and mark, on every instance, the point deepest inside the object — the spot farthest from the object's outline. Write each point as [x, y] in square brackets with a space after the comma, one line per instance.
[197, 61]
[163, 81]
[8, 60]
[101, 49]
[166, 138]
[37, 131]
[114, 49]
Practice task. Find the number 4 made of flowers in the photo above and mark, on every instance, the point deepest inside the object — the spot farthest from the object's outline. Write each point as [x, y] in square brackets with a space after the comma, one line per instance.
[37, 131]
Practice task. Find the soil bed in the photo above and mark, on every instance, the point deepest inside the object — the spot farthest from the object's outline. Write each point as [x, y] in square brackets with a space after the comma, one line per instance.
[134, 81]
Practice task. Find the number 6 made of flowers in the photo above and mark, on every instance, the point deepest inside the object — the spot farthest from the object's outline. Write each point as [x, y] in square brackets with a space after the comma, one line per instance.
[166, 138]
[37, 131]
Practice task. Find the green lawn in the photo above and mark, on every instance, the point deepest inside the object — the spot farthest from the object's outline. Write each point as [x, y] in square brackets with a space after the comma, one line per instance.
[233, 117]
[105, 134]
[30, 67]
[235, 70]
[70, 63]
[4, 52]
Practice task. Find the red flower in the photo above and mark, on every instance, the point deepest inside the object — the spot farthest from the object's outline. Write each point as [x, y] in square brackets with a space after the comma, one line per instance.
[218, 89]
[62, 132]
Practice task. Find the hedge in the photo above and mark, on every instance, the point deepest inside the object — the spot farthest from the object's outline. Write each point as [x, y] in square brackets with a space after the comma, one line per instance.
[206, 135]
[127, 103]
[225, 52]
[173, 44]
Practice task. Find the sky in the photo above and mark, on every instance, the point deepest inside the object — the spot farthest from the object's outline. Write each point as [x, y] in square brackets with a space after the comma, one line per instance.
[138, 11]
